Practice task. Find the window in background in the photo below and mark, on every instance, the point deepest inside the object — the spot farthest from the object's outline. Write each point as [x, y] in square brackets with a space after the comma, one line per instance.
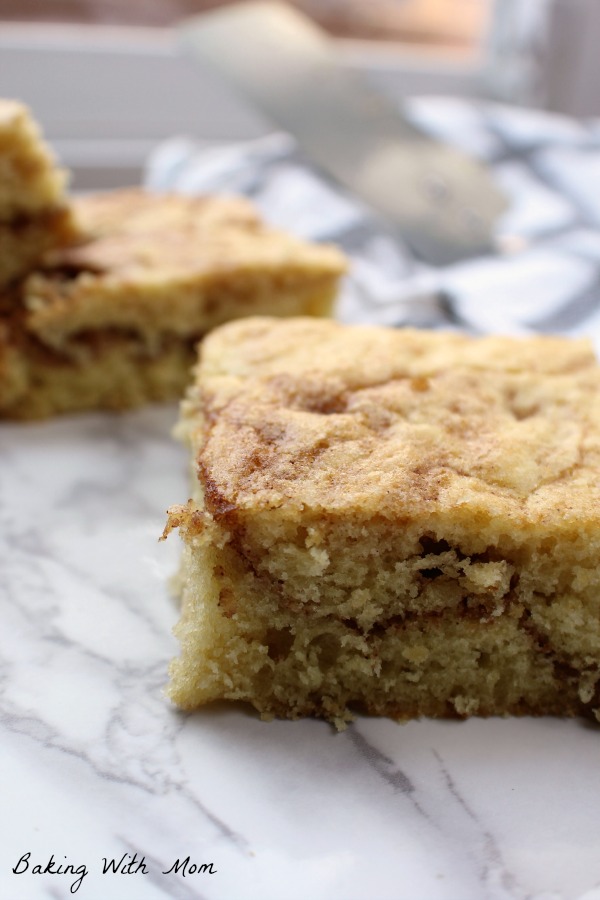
[532, 52]
[457, 23]
[444, 22]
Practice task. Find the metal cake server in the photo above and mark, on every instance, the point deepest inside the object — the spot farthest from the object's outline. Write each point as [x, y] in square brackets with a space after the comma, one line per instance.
[442, 202]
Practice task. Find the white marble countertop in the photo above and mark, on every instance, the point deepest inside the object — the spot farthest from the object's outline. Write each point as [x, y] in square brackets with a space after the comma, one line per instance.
[97, 765]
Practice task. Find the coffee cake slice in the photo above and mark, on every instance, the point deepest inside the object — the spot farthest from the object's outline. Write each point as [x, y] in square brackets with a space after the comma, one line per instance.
[34, 214]
[113, 321]
[405, 523]
[30, 181]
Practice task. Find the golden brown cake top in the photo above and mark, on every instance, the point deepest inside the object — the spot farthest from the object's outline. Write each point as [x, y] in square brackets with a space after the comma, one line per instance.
[30, 182]
[152, 237]
[137, 211]
[143, 247]
[313, 416]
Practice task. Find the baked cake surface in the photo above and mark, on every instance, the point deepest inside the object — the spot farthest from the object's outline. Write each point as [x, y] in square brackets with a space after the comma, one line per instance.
[401, 522]
[113, 321]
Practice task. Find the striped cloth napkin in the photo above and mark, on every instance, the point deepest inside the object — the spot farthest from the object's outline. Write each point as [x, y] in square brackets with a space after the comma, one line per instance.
[545, 275]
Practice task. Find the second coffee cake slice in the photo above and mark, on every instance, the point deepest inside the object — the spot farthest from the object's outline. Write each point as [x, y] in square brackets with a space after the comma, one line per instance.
[113, 322]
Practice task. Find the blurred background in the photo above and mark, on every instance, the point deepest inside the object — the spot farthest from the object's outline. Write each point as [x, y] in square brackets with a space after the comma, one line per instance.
[454, 22]
[112, 72]
[527, 51]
